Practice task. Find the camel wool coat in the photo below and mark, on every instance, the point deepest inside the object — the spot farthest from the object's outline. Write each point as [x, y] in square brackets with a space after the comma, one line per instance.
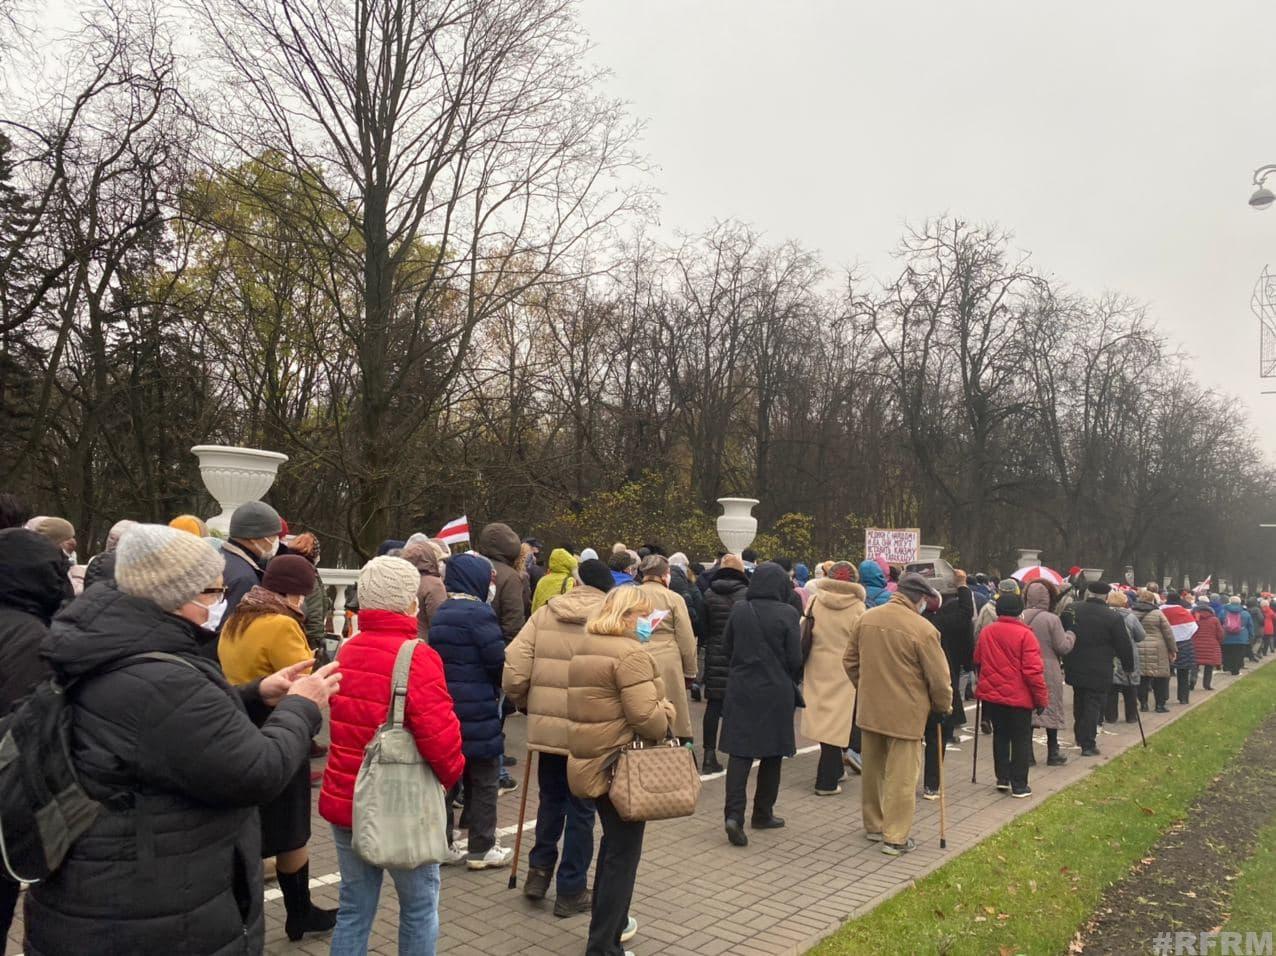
[829, 693]
[673, 648]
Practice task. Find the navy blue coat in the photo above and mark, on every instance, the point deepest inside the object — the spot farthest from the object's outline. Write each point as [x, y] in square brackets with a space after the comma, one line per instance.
[467, 635]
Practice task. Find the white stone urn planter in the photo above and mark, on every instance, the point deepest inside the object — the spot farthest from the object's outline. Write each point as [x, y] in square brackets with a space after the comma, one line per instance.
[736, 525]
[929, 552]
[1029, 557]
[234, 476]
[1092, 575]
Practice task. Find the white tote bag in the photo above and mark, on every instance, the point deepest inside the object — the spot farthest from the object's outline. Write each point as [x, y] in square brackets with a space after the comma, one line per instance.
[400, 809]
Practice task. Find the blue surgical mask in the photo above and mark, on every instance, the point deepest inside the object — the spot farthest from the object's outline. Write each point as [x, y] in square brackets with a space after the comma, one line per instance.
[644, 630]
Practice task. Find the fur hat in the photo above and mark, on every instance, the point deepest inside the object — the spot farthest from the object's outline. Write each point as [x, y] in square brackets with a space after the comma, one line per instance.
[190, 524]
[164, 565]
[589, 554]
[56, 530]
[387, 584]
[1101, 588]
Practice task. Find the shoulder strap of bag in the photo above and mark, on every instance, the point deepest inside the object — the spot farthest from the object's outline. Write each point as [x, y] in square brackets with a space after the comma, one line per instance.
[399, 683]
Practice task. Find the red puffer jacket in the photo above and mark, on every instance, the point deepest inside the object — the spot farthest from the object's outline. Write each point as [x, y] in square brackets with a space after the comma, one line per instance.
[1207, 642]
[1010, 668]
[359, 709]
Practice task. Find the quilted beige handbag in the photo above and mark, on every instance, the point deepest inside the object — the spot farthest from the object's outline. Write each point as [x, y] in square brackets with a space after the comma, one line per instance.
[655, 781]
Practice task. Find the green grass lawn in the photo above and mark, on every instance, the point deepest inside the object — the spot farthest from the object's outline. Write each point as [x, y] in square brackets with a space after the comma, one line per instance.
[1028, 888]
[1254, 899]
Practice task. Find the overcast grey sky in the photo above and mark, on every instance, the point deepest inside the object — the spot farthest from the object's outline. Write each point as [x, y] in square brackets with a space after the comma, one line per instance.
[1116, 140]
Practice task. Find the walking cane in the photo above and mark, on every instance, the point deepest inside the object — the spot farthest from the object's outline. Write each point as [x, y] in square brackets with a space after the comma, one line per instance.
[1138, 716]
[522, 815]
[974, 763]
[943, 813]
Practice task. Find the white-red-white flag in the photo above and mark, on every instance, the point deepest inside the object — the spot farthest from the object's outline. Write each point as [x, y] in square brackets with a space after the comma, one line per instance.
[455, 532]
[1182, 623]
[1204, 586]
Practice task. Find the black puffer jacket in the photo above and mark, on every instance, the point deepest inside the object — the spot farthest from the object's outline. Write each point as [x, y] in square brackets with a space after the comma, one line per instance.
[172, 865]
[728, 589]
[764, 645]
[33, 585]
[681, 585]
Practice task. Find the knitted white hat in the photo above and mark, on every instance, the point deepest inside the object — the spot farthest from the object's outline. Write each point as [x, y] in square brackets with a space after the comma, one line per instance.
[164, 565]
[388, 584]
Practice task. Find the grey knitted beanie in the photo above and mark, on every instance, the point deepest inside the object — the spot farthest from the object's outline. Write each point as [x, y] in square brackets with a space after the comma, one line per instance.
[255, 519]
[388, 584]
[164, 565]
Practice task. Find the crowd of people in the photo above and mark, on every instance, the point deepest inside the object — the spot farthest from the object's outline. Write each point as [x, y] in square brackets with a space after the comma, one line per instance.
[197, 678]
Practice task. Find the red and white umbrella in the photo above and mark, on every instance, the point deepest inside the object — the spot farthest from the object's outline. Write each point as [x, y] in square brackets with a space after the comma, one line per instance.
[1038, 572]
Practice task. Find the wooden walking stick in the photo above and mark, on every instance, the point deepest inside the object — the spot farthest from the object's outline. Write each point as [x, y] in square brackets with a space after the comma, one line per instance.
[522, 815]
[974, 763]
[943, 813]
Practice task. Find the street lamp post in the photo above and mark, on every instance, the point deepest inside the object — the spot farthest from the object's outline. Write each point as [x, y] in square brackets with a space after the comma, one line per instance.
[1262, 197]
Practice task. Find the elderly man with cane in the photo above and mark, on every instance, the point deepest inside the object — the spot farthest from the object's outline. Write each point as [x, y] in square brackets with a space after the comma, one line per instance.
[895, 661]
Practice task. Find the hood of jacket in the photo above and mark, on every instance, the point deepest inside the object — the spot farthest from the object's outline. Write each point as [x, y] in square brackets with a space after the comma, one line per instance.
[498, 542]
[1037, 596]
[770, 582]
[561, 561]
[468, 574]
[33, 574]
[871, 575]
[422, 556]
[577, 605]
[728, 580]
[839, 595]
[1143, 607]
[1232, 606]
[104, 625]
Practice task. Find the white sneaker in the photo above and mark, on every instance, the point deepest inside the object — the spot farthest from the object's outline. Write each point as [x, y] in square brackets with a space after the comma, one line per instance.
[630, 930]
[455, 854]
[497, 856]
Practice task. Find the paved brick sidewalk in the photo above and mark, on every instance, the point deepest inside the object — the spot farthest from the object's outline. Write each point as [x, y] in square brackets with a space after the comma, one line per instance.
[696, 894]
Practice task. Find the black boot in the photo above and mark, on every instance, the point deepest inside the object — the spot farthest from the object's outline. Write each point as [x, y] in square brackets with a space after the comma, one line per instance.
[303, 916]
[710, 763]
[1055, 758]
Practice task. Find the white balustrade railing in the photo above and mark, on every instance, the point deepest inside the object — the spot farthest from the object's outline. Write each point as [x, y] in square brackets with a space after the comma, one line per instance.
[339, 579]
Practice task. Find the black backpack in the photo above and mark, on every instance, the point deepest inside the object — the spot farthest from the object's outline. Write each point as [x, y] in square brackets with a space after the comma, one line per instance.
[43, 807]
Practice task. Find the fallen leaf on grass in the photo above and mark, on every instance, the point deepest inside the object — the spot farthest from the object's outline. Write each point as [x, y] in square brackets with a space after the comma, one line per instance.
[939, 913]
[1149, 811]
[1148, 860]
[1063, 869]
[1190, 893]
[981, 919]
[1032, 885]
[1006, 951]
[1003, 916]
[990, 910]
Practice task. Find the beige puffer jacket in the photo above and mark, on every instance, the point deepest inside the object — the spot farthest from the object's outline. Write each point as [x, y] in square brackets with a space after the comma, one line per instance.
[613, 693]
[536, 662]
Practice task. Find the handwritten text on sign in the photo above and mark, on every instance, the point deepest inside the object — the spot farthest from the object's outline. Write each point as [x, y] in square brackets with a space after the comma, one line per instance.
[896, 545]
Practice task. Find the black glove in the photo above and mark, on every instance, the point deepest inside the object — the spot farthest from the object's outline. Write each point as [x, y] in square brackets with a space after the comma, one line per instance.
[1068, 619]
[1039, 711]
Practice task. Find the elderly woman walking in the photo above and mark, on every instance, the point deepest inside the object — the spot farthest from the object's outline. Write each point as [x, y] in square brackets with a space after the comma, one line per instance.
[830, 695]
[762, 643]
[1054, 641]
[614, 694]
[673, 642]
[1156, 652]
[1125, 684]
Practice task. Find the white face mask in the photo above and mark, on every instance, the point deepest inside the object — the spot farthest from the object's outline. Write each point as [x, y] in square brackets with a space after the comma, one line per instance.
[273, 549]
[215, 614]
[491, 592]
[73, 558]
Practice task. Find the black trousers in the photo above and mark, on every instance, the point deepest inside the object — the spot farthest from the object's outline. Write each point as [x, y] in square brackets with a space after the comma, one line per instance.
[1086, 704]
[1011, 742]
[1115, 695]
[828, 772]
[614, 877]
[712, 718]
[8, 901]
[764, 791]
[1184, 679]
[931, 761]
[1234, 657]
[1208, 675]
[479, 783]
[1160, 690]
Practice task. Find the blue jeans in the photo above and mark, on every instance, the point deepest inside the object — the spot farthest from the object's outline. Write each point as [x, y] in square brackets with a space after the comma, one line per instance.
[558, 806]
[360, 891]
